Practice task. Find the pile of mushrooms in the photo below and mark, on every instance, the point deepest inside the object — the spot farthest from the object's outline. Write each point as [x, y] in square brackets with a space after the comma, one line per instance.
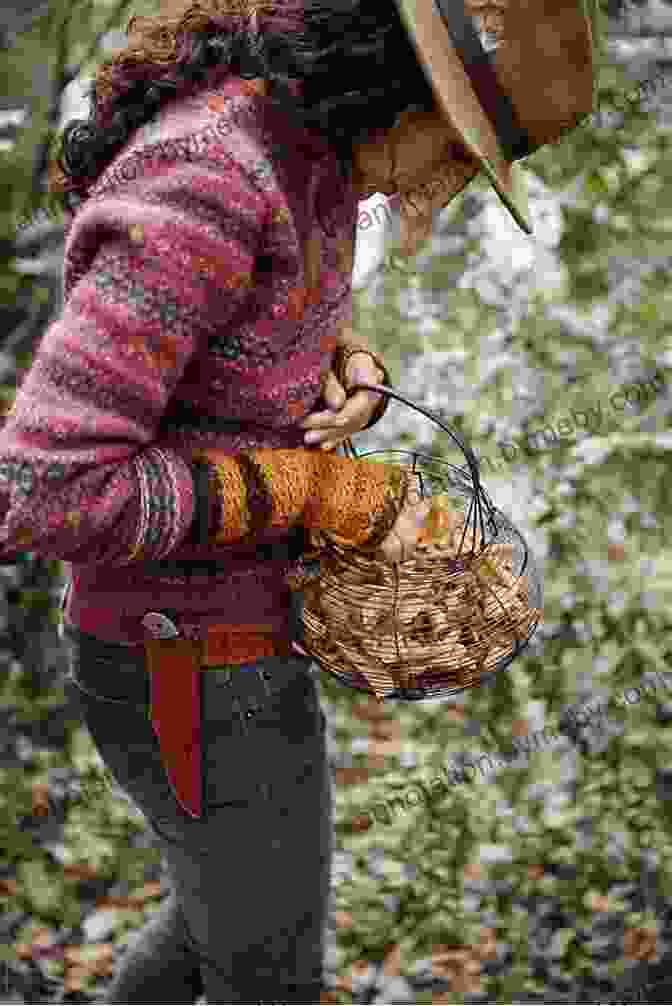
[459, 622]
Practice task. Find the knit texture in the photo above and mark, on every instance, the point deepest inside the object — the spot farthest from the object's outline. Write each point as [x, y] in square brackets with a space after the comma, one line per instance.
[354, 502]
[206, 279]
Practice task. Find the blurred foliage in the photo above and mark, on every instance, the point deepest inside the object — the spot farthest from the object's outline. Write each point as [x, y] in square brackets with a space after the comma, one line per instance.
[569, 344]
[606, 610]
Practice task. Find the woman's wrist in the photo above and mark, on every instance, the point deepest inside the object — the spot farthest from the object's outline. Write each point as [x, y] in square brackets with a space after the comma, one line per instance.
[355, 502]
[342, 355]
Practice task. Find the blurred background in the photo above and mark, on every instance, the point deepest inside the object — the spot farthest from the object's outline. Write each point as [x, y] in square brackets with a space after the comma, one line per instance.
[549, 879]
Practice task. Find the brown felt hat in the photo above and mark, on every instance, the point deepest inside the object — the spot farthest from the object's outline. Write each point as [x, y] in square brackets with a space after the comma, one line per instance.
[509, 76]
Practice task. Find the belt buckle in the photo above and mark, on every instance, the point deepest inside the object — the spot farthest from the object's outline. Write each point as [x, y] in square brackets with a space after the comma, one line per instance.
[159, 625]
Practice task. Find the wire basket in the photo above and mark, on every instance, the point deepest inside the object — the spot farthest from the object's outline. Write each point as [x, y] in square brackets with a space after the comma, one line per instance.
[447, 618]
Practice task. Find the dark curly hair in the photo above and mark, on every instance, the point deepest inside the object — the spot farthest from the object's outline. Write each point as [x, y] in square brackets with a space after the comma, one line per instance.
[356, 65]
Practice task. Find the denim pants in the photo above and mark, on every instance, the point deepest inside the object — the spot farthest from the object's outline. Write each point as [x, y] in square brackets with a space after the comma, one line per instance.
[246, 918]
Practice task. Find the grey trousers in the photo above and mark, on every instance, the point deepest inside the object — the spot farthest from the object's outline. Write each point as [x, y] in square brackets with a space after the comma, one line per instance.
[245, 922]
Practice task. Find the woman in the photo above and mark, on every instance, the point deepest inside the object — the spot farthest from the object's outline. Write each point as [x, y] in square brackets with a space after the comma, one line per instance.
[157, 443]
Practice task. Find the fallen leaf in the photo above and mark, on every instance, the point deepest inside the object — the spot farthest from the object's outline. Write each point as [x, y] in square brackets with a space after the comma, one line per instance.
[75, 979]
[79, 871]
[37, 944]
[361, 823]
[120, 901]
[8, 886]
[640, 943]
[392, 962]
[92, 956]
[369, 710]
[152, 889]
[597, 902]
[386, 749]
[40, 799]
[358, 969]
[486, 950]
[519, 728]
[448, 955]
[343, 985]
[350, 776]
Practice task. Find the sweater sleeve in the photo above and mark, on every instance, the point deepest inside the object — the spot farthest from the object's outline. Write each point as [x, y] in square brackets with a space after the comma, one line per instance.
[158, 263]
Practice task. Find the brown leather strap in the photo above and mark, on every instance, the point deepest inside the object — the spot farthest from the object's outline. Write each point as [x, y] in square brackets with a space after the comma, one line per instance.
[175, 712]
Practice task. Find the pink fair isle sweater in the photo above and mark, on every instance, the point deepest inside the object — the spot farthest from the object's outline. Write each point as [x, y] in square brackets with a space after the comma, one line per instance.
[191, 318]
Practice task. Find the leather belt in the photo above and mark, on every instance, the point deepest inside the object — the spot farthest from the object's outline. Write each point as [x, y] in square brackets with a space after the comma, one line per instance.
[175, 666]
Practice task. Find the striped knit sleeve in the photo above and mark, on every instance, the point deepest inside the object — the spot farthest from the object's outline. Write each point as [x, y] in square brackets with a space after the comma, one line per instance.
[159, 264]
[207, 505]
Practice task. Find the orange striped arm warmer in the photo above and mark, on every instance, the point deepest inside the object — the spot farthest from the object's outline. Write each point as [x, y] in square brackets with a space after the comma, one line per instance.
[355, 502]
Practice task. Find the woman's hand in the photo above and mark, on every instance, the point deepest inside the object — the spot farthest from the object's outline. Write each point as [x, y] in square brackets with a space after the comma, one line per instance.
[344, 416]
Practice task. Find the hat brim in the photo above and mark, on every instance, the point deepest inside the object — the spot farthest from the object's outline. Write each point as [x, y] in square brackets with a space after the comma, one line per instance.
[461, 107]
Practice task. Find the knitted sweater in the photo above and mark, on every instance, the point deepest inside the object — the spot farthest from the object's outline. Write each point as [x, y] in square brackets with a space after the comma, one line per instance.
[192, 318]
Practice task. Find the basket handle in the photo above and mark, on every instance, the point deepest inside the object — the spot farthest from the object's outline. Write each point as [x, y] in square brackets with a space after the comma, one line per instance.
[472, 460]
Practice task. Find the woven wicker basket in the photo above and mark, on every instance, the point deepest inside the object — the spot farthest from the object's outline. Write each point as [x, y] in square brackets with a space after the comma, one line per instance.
[446, 618]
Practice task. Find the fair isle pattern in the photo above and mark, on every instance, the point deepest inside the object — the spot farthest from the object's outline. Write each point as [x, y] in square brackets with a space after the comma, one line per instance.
[205, 285]
[159, 485]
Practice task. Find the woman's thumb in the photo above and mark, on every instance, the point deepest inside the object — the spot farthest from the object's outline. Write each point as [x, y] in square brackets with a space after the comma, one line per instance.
[334, 392]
